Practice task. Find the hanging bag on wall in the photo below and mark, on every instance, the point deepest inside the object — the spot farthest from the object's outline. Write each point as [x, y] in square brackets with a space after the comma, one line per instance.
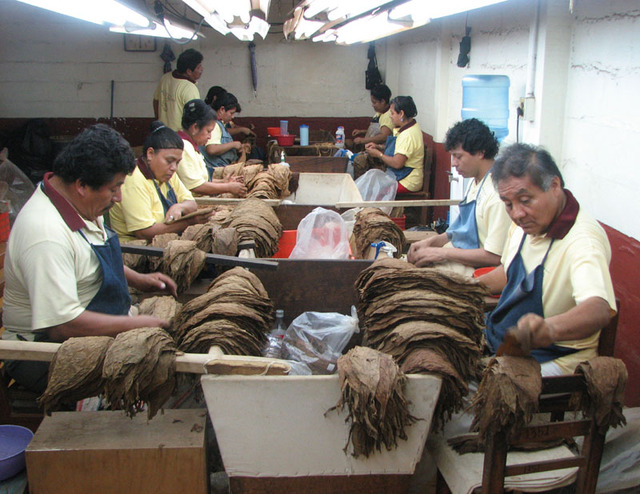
[372, 74]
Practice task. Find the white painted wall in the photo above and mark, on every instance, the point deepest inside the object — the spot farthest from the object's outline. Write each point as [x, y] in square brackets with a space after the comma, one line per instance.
[587, 81]
[55, 66]
[587, 87]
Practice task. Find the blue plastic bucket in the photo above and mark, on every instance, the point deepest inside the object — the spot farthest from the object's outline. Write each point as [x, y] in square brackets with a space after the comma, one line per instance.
[486, 97]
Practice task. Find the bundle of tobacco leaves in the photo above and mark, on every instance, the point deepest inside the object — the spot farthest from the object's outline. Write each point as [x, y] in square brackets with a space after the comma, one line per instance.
[139, 367]
[225, 241]
[137, 262]
[429, 320]
[183, 262]
[161, 242]
[163, 307]
[235, 314]
[256, 221]
[508, 395]
[201, 234]
[372, 389]
[272, 183]
[373, 225]
[75, 372]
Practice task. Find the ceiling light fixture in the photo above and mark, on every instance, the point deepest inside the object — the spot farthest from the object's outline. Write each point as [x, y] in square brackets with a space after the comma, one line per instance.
[243, 18]
[104, 12]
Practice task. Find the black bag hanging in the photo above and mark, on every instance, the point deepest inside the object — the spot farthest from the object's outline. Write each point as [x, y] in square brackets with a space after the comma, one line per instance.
[372, 74]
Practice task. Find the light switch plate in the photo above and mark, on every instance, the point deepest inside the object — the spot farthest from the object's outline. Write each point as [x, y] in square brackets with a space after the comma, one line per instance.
[134, 42]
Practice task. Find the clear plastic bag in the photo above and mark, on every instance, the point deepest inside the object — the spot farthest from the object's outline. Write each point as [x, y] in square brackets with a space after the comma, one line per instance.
[20, 187]
[317, 339]
[376, 185]
[322, 234]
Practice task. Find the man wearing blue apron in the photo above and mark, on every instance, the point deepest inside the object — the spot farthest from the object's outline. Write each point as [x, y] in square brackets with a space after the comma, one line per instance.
[63, 267]
[477, 236]
[554, 275]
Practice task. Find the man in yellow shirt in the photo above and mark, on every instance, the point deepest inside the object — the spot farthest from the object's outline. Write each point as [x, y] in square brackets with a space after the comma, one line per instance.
[478, 235]
[554, 275]
[176, 88]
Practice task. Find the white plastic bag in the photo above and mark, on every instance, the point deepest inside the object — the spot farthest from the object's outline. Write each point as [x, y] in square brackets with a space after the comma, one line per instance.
[318, 338]
[322, 234]
[376, 185]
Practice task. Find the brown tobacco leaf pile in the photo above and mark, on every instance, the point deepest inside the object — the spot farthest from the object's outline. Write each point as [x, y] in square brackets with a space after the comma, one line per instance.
[137, 262]
[139, 367]
[161, 242]
[372, 225]
[183, 262]
[164, 307]
[272, 183]
[372, 389]
[429, 320]
[235, 314]
[76, 371]
[256, 221]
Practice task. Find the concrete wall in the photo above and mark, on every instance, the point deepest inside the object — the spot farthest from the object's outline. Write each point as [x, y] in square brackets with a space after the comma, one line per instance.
[56, 66]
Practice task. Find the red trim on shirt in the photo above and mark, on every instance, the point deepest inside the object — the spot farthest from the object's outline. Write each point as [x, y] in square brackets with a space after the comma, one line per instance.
[176, 75]
[566, 219]
[187, 137]
[144, 168]
[406, 126]
[69, 214]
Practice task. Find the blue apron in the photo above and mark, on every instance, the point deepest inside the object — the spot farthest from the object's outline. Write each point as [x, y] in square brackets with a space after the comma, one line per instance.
[218, 160]
[390, 150]
[521, 295]
[463, 233]
[170, 199]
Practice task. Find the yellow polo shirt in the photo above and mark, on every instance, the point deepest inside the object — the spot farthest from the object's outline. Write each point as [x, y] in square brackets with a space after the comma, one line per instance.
[577, 268]
[492, 220]
[410, 143]
[141, 206]
[51, 272]
[172, 94]
[192, 169]
[385, 120]
[216, 135]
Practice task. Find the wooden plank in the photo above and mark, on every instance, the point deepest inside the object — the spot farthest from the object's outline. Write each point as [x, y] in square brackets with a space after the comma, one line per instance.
[218, 201]
[379, 204]
[543, 466]
[549, 431]
[331, 484]
[147, 250]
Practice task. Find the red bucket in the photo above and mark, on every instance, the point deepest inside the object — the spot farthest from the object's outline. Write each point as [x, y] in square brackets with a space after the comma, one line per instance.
[286, 244]
[401, 221]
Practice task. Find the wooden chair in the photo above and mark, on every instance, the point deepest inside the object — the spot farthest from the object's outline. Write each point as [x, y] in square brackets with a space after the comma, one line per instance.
[425, 192]
[554, 401]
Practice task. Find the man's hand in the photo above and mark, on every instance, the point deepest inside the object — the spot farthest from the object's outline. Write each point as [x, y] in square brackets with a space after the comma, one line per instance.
[147, 321]
[237, 189]
[424, 255]
[542, 333]
[156, 282]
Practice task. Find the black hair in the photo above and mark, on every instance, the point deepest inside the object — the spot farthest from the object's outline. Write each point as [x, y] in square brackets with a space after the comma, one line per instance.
[214, 93]
[228, 101]
[519, 160]
[473, 136]
[161, 137]
[95, 157]
[381, 92]
[188, 60]
[405, 104]
[197, 112]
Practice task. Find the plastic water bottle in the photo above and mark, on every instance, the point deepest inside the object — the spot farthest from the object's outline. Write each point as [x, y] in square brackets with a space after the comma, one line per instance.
[283, 160]
[274, 340]
[304, 135]
[486, 97]
[340, 137]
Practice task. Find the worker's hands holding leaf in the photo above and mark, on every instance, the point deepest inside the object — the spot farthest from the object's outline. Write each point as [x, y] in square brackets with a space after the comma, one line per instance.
[156, 282]
[541, 333]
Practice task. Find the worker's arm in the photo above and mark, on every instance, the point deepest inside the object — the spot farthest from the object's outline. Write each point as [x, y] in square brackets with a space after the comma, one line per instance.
[495, 280]
[424, 256]
[150, 282]
[379, 138]
[215, 188]
[396, 161]
[577, 323]
[234, 131]
[90, 323]
[218, 149]
[174, 213]
[156, 105]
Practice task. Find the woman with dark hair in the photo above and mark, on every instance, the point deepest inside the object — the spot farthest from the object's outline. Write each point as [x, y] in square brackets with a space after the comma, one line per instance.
[153, 194]
[214, 93]
[381, 125]
[198, 120]
[403, 154]
[221, 149]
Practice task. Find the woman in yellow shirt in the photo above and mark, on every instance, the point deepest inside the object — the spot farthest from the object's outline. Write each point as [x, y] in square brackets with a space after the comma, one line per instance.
[198, 120]
[153, 193]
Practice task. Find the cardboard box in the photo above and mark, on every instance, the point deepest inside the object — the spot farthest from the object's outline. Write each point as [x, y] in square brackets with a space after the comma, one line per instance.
[108, 452]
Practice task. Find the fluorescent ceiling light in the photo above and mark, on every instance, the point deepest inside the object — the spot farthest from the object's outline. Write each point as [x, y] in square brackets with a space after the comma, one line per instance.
[97, 11]
[369, 28]
[158, 30]
[237, 16]
[420, 10]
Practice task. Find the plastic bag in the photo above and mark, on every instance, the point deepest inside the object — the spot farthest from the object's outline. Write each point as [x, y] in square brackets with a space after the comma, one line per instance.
[321, 234]
[20, 187]
[317, 339]
[376, 185]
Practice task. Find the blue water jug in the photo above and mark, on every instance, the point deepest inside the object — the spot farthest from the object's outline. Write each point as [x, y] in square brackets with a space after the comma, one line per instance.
[486, 97]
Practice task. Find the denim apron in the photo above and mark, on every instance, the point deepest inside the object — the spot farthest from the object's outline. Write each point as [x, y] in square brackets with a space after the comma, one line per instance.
[390, 150]
[521, 295]
[463, 233]
[218, 160]
[169, 200]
